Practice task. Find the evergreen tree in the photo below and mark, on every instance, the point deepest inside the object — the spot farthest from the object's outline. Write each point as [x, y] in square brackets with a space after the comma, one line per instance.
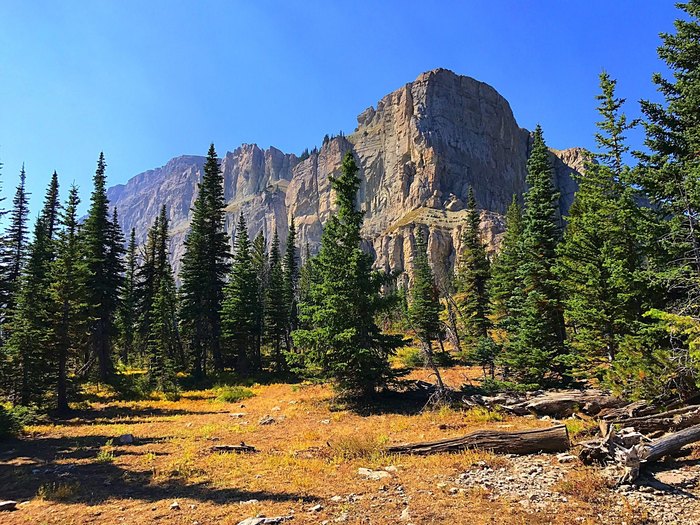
[241, 304]
[472, 277]
[101, 237]
[69, 275]
[204, 268]
[506, 284]
[128, 310]
[262, 272]
[343, 340]
[51, 210]
[291, 281]
[16, 244]
[424, 305]
[601, 257]
[537, 348]
[147, 285]
[163, 350]
[276, 304]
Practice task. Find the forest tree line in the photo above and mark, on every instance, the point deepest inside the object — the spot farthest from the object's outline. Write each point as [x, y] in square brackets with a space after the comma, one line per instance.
[607, 293]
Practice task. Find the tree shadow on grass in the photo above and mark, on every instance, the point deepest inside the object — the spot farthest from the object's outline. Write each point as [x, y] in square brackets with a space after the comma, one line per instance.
[27, 465]
[120, 415]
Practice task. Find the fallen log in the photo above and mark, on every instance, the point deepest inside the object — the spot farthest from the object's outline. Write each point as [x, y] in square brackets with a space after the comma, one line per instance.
[677, 419]
[564, 404]
[552, 439]
[241, 449]
[634, 458]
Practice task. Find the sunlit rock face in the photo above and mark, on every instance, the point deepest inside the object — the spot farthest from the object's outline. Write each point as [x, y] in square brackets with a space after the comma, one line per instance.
[419, 151]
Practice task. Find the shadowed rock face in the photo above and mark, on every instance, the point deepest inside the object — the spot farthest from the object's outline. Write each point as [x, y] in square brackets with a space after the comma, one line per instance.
[419, 151]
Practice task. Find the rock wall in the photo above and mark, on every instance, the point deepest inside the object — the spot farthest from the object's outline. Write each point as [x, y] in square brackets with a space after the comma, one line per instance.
[419, 151]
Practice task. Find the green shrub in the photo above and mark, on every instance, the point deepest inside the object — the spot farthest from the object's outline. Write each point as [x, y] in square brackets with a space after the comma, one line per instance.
[14, 418]
[233, 394]
[132, 386]
[413, 357]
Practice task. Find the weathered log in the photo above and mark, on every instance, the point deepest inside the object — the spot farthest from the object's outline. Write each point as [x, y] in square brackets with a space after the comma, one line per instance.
[241, 449]
[635, 409]
[634, 458]
[552, 439]
[677, 419]
[564, 404]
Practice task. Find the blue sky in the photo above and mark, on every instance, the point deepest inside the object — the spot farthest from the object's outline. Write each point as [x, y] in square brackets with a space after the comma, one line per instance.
[145, 81]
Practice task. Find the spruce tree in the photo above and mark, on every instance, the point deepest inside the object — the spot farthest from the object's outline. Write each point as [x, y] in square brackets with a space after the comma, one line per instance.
[262, 272]
[204, 268]
[601, 258]
[241, 304]
[276, 305]
[147, 285]
[163, 349]
[128, 309]
[670, 172]
[472, 277]
[51, 210]
[16, 237]
[291, 281]
[506, 284]
[343, 342]
[69, 276]
[424, 306]
[537, 351]
[101, 237]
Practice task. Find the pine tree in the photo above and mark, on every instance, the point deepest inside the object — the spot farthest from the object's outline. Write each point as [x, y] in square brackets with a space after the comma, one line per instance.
[276, 304]
[240, 306]
[50, 212]
[163, 349]
[69, 275]
[424, 306]
[147, 285]
[506, 285]
[537, 349]
[16, 244]
[101, 237]
[343, 340]
[262, 272]
[472, 277]
[671, 171]
[128, 309]
[601, 257]
[204, 268]
[291, 282]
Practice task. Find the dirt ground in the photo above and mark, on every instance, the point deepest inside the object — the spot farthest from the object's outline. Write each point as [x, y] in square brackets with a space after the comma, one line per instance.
[306, 468]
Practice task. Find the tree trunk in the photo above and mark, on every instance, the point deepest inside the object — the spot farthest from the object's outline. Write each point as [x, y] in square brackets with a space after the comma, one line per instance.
[553, 439]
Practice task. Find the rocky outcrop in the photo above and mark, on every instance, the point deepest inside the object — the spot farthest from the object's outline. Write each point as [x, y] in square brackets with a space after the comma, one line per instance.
[419, 151]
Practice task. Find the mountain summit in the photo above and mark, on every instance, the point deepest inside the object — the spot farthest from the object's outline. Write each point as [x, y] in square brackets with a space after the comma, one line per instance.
[419, 150]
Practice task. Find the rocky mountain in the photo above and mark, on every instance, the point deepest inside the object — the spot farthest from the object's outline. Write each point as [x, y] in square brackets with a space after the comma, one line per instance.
[419, 151]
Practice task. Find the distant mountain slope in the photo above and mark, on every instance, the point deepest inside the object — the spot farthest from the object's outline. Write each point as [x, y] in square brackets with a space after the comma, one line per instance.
[419, 151]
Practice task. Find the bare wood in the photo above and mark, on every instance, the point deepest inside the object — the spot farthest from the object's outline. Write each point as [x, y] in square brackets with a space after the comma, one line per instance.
[665, 445]
[241, 449]
[552, 439]
[672, 420]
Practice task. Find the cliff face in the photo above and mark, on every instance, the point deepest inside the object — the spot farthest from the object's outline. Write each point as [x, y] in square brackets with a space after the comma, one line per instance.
[419, 151]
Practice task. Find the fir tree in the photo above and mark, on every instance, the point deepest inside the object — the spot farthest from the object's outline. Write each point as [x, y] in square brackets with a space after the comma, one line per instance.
[69, 275]
[424, 306]
[241, 304]
[262, 271]
[276, 304]
[291, 281]
[343, 340]
[601, 257]
[16, 244]
[537, 350]
[472, 276]
[204, 268]
[51, 210]
[101, 236]
[128, 309]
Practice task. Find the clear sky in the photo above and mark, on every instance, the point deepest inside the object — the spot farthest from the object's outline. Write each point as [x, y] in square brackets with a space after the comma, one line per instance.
[147, 80]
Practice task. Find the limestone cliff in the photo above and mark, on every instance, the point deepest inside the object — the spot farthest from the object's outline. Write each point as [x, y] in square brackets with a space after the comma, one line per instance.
[419, 151]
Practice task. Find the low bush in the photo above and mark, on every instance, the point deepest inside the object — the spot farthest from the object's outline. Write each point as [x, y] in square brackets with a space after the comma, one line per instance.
[14, 418]
[233, 394]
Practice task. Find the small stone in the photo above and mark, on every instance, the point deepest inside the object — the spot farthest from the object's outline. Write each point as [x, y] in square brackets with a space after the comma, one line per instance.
[250, 502]
[267, 420]
[174, 506]
[390, 468]
[126, 439]
[373, 474]
[316, 508]
[8, 505]
[337, 499]
[325, 421]
[276, 409]
[405, 515]
[237, 415]
[565, 458]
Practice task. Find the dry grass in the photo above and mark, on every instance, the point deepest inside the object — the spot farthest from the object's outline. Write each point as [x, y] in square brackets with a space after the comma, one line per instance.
[310, 454]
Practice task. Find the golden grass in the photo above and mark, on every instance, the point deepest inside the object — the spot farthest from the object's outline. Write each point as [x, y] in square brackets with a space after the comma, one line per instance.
[310, 454]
